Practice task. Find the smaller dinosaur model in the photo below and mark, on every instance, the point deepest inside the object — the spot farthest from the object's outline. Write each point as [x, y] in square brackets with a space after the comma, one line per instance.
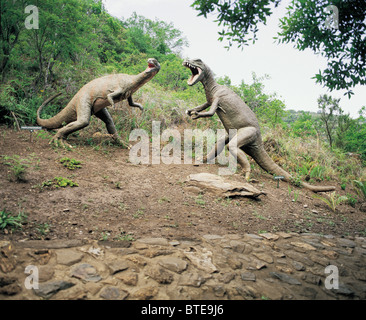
[93, 98]
[235, 114]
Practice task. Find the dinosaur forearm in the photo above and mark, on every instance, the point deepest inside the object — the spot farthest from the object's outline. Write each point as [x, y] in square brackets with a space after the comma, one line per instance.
[210, 113]
[131, 103]
[112, 95]
[198, 109]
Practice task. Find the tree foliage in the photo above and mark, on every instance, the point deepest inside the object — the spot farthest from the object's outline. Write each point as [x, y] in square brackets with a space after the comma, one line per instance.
[335, 29]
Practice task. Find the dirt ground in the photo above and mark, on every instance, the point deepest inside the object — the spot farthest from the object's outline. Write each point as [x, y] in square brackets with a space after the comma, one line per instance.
[117, 200]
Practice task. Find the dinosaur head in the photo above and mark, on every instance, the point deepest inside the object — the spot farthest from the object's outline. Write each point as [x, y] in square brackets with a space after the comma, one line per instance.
[198, 69]
[153, 66]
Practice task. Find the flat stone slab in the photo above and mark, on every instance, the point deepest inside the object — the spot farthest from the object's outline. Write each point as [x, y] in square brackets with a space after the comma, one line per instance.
[219, 185]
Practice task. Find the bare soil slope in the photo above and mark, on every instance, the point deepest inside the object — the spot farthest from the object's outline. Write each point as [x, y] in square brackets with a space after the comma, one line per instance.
[117, 200]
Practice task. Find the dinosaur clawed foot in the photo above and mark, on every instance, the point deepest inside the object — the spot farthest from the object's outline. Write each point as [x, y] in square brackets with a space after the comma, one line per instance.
[117, 139]
[60, 142]
[246, 175]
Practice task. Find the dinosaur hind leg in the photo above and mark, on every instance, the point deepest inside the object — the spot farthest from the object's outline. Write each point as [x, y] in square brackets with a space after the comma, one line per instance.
[219, 146]
[243, 137]
[82, 121]
[105, 116]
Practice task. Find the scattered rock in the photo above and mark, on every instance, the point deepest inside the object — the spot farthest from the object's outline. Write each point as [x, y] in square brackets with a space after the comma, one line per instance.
[48, 289]
[263, 256]
[173, 264]
[129, 278]
[248, 276]
[9, 286]
[118, 266]
[218, 185]
[145, 293]
[202, 259]
[153, 241]
[113, 293]
[270, 236]
[7, 260]
[346, 243]
[85, 272]
[193, 280]
[159, 274]
[285, 278]
[68, 257]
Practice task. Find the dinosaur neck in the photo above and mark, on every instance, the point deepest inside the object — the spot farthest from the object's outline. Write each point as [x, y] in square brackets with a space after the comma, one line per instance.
[141, 79]
[209, 83]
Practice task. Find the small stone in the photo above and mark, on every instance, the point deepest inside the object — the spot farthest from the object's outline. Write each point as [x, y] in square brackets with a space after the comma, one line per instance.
[48, 289]
[343, 290]
[160, 275]
[254, 236]
[193, 280]
[256, 265]
[346, 243]
[328, 243]
[227, 277]
[247, 292]
[129, 278]
[234, 263]
[312, 279]
[219, 291]
[320, 260]
[248, 276]
[45, 273]
[113, 293]
[85, 272]
[264, 257]
[154, 252]
[118, 266]
[330, 254]
[68, 257]
[270, 236]
[237, 246]
[173, 264]
[146, 293]
[7, 260]
[284, 235]
[298, 266]
[202, 259]
[9, 286]
[141, 262]
[284, 269]
[285, 278]
[302, 245]
[212, 237]
[153, 241]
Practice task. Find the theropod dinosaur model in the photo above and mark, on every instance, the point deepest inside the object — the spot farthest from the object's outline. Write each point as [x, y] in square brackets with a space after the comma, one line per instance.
[235, 114]
[93, 98]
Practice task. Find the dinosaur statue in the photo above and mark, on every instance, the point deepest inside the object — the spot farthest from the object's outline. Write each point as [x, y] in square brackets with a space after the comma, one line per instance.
[93, 98]
[235, 114]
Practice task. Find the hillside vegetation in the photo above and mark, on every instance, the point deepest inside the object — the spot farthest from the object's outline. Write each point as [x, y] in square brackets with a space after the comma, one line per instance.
[78, 40]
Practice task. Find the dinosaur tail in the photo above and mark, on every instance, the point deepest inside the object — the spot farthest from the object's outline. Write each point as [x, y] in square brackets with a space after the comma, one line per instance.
[266, 163]
[52, 123]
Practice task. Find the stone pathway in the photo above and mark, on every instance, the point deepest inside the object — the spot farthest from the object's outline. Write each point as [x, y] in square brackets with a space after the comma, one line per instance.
[231, 267]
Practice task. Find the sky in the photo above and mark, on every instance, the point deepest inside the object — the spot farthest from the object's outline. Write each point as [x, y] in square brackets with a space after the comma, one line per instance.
[289, 70]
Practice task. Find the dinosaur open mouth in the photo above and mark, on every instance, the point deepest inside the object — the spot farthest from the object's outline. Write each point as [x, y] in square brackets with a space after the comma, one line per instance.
[153, 64]
[196, 72]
